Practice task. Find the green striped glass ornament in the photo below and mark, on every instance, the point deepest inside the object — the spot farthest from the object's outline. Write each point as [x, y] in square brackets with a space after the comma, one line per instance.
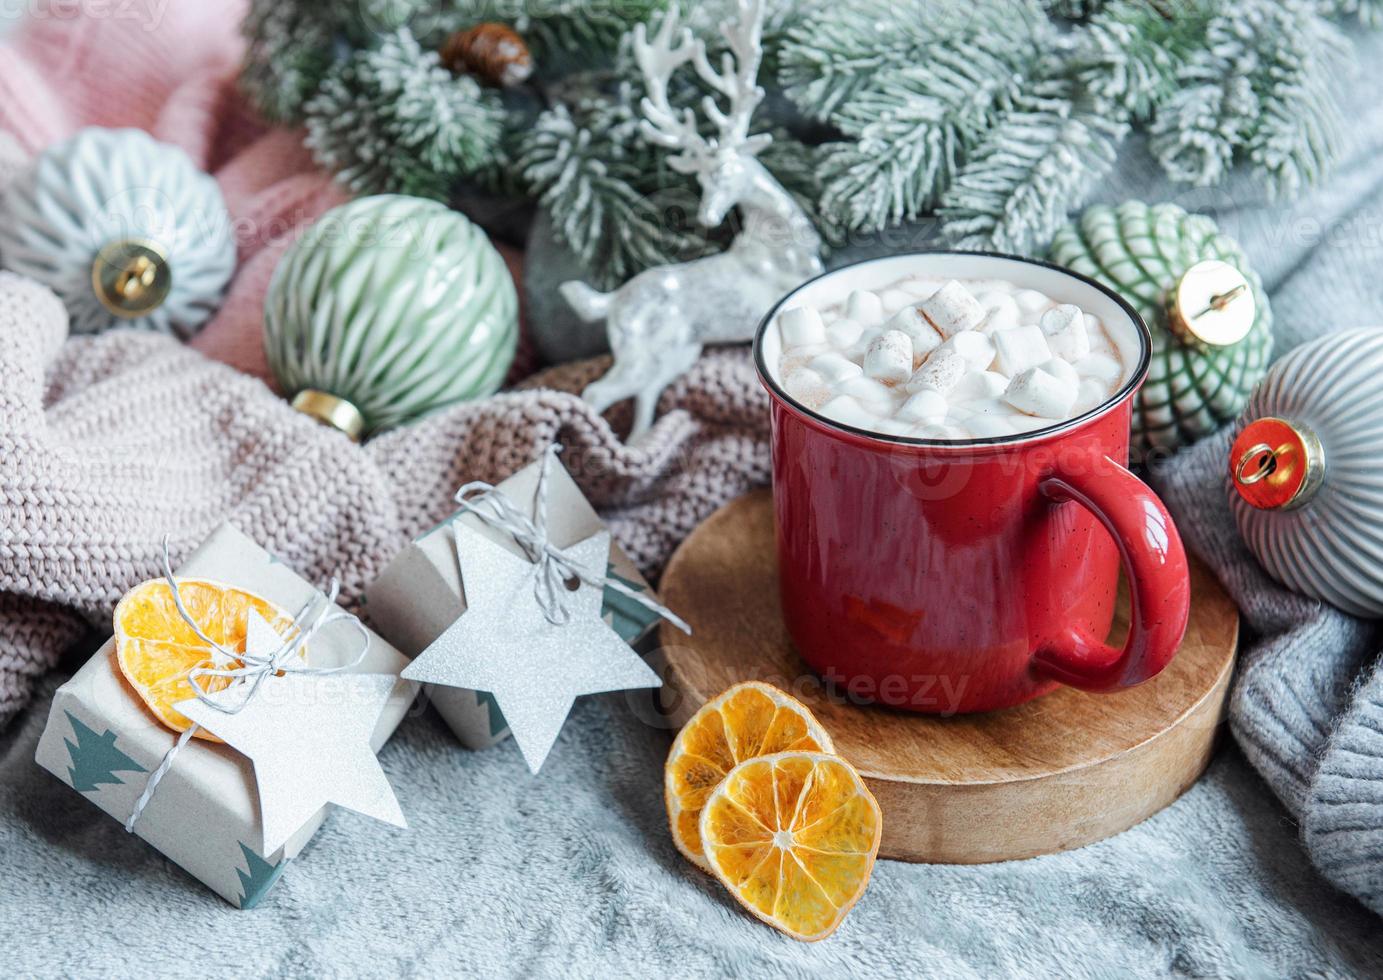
[390, 308]
[1142, 251]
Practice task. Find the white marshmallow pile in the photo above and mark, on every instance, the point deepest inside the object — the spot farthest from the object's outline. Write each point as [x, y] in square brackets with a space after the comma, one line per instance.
[948, 360]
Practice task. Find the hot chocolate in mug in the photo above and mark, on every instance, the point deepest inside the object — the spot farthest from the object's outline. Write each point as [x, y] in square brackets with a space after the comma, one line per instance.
[968, 574]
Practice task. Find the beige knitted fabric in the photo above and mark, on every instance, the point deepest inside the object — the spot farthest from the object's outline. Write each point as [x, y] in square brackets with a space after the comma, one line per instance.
[109, 443]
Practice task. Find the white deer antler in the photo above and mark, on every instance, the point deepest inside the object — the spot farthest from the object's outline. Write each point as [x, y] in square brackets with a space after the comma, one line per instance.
[737, 80]
[662, 124]
[738, 77]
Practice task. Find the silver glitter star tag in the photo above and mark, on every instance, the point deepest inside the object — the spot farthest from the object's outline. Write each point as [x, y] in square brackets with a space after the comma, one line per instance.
[308, 736]
[505, 644]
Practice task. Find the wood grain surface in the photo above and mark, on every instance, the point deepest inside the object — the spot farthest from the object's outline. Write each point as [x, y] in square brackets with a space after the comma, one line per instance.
[1056, 773]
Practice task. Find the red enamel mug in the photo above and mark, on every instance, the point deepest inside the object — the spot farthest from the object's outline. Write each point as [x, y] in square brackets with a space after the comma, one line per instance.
[969, 575]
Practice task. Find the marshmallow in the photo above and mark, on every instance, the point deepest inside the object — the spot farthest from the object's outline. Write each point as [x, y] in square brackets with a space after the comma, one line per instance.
[939, 431]
[1020, 349]
[806, 386]
[952, 309]
[1101, 367]
[1031, 302]
[921, 288]
[925, 405]
[868, 335]
[834, 367]
[1035, 392]
[1064, 328]
[894, 300]
[930, 359]
[873, 393]
[1061, 370]
[894, 427]
[1001, 312]
[983, 425]
[801, 326]
[843, 333]
[845, 409]
[975, 347]
[987, 406]
[889, 357]
[980, 384]
[864, 307]
[909, 320]
[942, 371]
[800, 357]
[1089, 395]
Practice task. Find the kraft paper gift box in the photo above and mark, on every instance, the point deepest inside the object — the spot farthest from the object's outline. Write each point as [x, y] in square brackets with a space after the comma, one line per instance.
[420, 594]
[103, 741]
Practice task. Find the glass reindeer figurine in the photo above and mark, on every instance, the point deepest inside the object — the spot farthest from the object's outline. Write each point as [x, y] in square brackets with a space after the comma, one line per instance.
[659, 322]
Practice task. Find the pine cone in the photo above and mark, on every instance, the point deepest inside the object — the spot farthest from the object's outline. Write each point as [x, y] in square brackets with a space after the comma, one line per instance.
[493, 53]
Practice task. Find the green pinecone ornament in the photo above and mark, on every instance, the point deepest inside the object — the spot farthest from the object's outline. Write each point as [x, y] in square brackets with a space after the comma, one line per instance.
[1211, 325]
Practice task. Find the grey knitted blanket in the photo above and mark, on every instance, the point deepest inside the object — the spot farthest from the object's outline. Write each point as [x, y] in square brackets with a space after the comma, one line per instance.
[572, 872]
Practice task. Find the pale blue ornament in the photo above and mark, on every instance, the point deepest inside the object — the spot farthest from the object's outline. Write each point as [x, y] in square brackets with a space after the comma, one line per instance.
[1307, 488]
[125, 229]
[388, 309]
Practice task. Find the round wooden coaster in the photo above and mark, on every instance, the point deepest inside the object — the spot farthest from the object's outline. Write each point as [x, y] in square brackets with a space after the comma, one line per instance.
[1060, 772]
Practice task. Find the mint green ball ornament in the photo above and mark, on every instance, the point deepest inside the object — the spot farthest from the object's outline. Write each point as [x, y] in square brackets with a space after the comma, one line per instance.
[1205, 306]
[390, 308]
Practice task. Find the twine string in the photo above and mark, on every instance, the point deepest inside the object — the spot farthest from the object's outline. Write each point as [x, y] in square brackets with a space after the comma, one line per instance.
[554, 567]
[315, 615]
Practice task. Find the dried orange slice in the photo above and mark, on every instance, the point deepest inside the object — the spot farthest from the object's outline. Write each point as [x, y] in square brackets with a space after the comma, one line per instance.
[793, 836]
[748, 720]
[155, 647]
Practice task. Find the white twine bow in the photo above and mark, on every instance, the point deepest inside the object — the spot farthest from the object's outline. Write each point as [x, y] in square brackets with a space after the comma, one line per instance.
[315, 615]
[554, 567]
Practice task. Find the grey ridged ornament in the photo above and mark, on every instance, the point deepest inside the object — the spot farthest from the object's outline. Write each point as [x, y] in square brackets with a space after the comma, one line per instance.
[388, 309]
[125, 229]
[1143, 252]
[1309, 456]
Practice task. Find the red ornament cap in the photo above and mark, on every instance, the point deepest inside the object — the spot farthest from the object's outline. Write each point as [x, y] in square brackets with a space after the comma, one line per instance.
[1276, 464]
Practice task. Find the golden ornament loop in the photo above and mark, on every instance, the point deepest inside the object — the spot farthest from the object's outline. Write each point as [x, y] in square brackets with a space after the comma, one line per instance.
[1212, 306]
[131, 277]
[1290, 462]
[331, 410]
[1265, 467]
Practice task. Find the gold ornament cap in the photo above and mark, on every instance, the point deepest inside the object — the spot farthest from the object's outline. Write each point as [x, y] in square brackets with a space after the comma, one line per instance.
[132, 278]
[1212, 306]
[332, 411]
[1276, 464]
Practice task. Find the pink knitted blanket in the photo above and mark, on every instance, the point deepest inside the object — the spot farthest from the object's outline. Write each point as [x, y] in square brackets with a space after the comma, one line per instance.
[109, 443]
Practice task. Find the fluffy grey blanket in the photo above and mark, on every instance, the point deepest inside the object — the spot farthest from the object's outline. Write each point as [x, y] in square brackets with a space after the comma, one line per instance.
[572, 872]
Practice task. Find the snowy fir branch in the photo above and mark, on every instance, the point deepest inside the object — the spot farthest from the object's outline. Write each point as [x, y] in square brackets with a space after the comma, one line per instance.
[998, 114]
[1073, 9]
[609, 193]
[613, 198]
[1367, 12]
[1040, 160]
[902, 149]
[1130, 56]
[1300, 132]
[288, 54]
[392, 119]
[1259, 89]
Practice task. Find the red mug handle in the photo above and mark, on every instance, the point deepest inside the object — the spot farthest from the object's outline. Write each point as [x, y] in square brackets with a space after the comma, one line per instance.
[1159, 581]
